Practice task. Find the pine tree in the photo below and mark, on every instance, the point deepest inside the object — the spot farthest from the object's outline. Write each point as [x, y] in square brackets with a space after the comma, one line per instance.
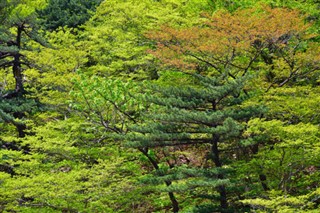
[60, 13]
[208, 116]
[17, 29]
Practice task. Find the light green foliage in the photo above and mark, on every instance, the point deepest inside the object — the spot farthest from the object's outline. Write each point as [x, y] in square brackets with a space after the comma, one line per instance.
[288, 158]
[108, 103]
[69, 169]
[56, 66]
[114, 37]
[24, 9]
[286, 203]
[294, 105]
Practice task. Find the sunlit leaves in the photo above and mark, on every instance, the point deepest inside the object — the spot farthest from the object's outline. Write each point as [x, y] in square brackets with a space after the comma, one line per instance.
[70, 159]
[114, 37]
[110, 103]
[289, 156]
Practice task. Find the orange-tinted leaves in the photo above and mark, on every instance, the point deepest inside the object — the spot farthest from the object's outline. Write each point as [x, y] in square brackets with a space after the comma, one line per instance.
[225, 39]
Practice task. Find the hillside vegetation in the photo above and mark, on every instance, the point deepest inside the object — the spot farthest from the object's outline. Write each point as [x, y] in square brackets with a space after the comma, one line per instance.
[159, 106]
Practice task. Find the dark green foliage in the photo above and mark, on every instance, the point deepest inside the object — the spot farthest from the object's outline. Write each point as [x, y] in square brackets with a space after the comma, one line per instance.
[206, 115]
[15, 107]
[4, 10]
[70, 13]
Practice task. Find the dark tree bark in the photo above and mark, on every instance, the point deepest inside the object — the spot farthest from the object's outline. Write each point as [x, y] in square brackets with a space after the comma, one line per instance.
[18, 76]
[17, 73]
[216, 159]
[16, 68]
[262, 177]
[174, 202]
[21, 127]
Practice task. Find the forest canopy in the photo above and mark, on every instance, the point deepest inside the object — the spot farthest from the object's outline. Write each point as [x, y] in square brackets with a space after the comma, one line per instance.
[159, 106]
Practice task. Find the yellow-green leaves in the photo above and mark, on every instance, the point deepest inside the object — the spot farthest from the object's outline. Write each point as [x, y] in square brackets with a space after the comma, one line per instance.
[25, 8]
[114, 37]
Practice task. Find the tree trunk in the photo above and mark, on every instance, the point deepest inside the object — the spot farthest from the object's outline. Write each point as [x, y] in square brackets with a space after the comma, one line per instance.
[216, 159]
[262, 177]
[17, 73]
[174, 202]
[16, 68]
